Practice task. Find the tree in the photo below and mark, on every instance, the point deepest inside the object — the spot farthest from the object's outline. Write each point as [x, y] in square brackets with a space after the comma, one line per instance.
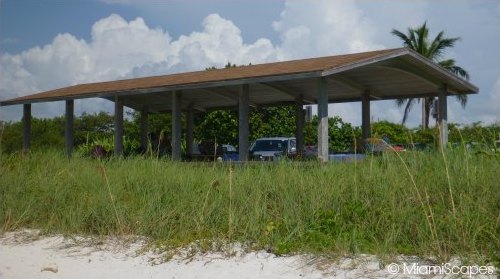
[272, 122]
[341, 135]
[418, 40]
[219, 126]
[397, 133]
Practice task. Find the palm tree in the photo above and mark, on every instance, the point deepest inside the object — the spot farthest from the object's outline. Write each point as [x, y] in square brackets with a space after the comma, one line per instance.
[418, 40]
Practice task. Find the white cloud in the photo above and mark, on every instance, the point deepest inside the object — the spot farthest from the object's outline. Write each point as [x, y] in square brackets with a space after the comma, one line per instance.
[323, 27]
[218, 43]
[121, 49]
[117, 47]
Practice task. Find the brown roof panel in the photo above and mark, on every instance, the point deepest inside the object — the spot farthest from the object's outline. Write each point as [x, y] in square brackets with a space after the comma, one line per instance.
[312, 65]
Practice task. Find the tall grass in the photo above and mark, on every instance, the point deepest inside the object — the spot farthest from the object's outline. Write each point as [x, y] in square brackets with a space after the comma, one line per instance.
[417, 203]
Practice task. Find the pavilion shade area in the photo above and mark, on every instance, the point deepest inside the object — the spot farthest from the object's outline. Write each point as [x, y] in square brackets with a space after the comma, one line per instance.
[376, 75]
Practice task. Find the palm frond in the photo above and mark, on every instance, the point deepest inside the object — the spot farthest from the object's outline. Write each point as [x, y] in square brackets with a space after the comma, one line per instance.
[462, 99]
[443, 44]
[422, 35]
[449, 64]
[459, 71]
[413, 39]
[406, 41]
[435, 50]
[400, 102]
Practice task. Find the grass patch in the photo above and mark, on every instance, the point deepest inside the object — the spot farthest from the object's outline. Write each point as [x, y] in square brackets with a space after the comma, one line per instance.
[418, 204]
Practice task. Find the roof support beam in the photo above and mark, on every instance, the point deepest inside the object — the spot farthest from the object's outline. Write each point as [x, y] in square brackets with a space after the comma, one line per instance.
[354, 85]
[348, 99]
[118, 126]
[68, 126]
[189, 130]
[443, 116]
[365, 115]
[323, 120]
[196, 107]
[393, 97]
[228, 95]
[424, 113]
[185, 102]
[349, 83]
[26, 127]
[243, 130]
[419, 74]
[144, 128]
[125, 102]
[288, 91]
[220, 95]
[299, 126]
[176, 125]
[382, 97]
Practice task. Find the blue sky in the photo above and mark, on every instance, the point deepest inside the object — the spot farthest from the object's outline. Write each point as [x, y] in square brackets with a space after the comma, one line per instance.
[49, 44]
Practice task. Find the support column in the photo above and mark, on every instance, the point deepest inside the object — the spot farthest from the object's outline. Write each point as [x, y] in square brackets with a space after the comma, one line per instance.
[176, 125]
[26, 127]
[118, 126]
[322, 120]
[243, 102]
[365, 115]
[299, 125]
[190, 130]
[423, 113]
[443, 116]
[144, 127]
[68, 131]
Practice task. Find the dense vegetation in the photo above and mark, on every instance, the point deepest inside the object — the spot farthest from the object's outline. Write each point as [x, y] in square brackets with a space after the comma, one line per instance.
[222, 127]
[422, 203]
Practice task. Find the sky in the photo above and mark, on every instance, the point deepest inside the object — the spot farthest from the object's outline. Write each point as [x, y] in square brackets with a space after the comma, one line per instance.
[48, 44]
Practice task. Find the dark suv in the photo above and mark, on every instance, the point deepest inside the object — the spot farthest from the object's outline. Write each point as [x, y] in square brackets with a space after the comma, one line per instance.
[268, 149]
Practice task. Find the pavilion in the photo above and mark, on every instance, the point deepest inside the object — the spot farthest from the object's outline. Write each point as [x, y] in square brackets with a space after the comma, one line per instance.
[368, 76]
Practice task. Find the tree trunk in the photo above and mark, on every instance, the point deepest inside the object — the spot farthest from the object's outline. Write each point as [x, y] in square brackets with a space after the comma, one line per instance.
[428, 105]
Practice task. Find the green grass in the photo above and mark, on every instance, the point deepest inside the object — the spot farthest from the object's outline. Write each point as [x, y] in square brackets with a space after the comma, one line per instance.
[417, 204]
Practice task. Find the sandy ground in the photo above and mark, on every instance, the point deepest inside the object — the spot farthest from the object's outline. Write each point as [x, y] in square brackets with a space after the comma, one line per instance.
[27, 255]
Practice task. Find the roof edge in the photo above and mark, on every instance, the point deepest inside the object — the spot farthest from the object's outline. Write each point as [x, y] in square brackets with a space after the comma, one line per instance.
[474, 89]
[401, 52]
[381, 57]
[228, 82]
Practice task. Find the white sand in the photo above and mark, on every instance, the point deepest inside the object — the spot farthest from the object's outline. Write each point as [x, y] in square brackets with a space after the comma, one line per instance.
[24, 255]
